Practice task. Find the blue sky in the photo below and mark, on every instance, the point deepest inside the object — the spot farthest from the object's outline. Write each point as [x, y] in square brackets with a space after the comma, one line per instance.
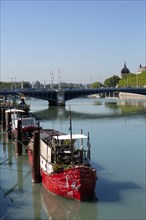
[85, 40]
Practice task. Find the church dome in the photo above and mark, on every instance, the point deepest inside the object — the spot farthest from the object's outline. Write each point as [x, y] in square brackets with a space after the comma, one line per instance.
[125, 70]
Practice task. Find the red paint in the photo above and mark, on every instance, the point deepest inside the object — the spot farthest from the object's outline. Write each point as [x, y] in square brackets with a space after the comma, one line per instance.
[75, 183]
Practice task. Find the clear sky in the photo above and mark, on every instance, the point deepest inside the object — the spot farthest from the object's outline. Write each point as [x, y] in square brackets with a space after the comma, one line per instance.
[77, 41]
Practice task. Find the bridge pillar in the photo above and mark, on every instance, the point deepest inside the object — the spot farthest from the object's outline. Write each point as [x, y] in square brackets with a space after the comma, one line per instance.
[52, 103]
[60, 100]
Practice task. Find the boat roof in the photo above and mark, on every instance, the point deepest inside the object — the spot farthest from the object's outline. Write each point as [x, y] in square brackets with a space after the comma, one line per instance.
[47, 134]
[68, 137]
[14, 110]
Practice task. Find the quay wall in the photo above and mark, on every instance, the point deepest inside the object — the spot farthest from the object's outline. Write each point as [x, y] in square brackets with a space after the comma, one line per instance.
[123, 95]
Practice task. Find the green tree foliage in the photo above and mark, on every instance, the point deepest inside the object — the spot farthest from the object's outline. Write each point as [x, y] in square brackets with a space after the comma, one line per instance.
[5, 85]
[26, 85]
[95, 85]
[11, 85]
[133, 80]
[112, 81]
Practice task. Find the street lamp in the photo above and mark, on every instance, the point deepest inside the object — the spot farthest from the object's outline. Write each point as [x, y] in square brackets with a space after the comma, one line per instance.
[15, 83]
[99, 81]
[137, 81]
[52, 79]
[127, 81]
[12, 83]
[91, 82]
[59, 77]
[44, 84]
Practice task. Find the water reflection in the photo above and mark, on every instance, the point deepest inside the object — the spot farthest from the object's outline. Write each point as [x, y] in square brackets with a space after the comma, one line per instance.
[10, 151]
[126, 107]
[36, 200]
[114, 109]
[12, 177]
[20, 174]
[3, 155]
[16, 193]
[17, 186]
[61, 208]
[119, 188]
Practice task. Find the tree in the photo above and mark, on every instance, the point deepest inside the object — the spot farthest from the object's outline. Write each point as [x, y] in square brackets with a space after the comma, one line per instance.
[95, 85]
[112, 81]
[133, 80]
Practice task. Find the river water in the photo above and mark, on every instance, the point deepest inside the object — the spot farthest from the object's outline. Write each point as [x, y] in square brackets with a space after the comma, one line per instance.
[118, 146]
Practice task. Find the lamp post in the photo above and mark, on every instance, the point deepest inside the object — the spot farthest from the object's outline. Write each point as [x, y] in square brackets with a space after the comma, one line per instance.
[59, 77]
[15, 83]
[127, 81]
[99, 81]
[52, 79]
[12, 83]
[137, 81]
[91, 83]
[21, 84]
[44, 84]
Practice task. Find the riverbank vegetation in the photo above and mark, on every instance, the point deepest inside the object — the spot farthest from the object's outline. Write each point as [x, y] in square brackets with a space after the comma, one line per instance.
[129, 80]
[14, 85]
[133, 80]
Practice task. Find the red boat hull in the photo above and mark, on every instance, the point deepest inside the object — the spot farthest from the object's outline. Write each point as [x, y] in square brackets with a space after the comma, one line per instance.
[75, 183]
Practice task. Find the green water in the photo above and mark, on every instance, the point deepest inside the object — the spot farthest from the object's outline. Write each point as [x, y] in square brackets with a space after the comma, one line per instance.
[118, 146]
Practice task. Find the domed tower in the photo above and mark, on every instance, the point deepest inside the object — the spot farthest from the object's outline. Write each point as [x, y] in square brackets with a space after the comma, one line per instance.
[125, 70]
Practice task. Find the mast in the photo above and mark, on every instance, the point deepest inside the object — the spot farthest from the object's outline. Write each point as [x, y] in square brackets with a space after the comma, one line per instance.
[70, 125]
[89, 147]
[70, 128]
[81, 147]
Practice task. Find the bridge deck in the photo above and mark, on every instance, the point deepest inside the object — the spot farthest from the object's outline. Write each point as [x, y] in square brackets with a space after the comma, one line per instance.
[57, 96]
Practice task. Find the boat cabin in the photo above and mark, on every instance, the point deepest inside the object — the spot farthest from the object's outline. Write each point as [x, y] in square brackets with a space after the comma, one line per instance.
[18, 114]
[64, 149]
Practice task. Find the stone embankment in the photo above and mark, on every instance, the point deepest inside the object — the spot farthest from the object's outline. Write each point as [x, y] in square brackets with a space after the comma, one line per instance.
[123, 95]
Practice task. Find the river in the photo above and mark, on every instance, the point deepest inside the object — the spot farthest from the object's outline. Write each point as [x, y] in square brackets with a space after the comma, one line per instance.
[118, 146]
